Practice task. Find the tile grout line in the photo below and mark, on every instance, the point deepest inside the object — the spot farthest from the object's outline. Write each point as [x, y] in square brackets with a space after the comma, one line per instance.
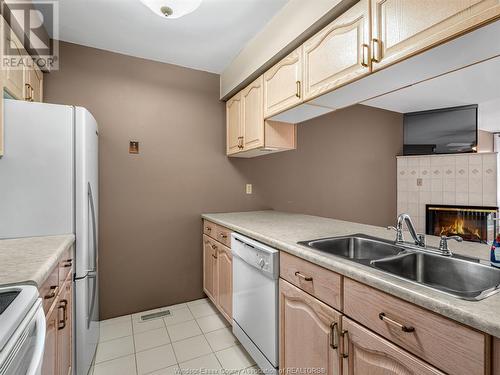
[213, 351]
[135, 350]
[171, 342]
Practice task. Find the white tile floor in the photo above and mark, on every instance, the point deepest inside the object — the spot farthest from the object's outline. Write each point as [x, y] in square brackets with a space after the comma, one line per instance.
[194, 339]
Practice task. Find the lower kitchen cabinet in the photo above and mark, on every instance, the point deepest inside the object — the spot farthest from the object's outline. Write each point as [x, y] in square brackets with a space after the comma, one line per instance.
[218, 268]
[57, 293]
[225, 281]
[210, 269]
[309, 333]
[496, 356]
[365, 353]
[64, 329]
[49, 366]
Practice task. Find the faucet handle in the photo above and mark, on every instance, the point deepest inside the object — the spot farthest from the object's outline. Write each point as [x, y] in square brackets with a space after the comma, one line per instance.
[399, 233]
[443, 244]
[421, 240]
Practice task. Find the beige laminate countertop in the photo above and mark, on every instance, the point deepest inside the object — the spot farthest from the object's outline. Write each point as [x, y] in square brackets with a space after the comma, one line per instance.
[283, 230]
[30, 260]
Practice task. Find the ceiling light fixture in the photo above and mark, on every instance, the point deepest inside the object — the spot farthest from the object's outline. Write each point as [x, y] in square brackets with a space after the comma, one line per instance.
[172, 8]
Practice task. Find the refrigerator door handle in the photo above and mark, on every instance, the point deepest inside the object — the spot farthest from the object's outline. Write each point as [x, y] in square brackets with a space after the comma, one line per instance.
[91, 276]
[94, 229]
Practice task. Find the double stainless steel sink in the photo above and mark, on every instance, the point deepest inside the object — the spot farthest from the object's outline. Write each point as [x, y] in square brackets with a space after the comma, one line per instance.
[460, 277]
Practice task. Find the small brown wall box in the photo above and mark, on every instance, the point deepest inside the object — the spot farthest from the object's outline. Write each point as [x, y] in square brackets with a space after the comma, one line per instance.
[133, 147]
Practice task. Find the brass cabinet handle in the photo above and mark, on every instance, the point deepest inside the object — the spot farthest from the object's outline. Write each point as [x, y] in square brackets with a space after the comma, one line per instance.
[214, 247]
[376, 50]
[214, 256]
[240, 143]
[345, 345]
[222, 235]
[32, 94]
[68, 263]
[304, 277]
[299, 90]
[29, 89]
[208, 229]
[382, 316]
[334, 335]
[64, 307]
[53, 292]
[365, 58]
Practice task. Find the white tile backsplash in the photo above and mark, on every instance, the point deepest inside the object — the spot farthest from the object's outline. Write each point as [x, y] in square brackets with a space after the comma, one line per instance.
[465, 179]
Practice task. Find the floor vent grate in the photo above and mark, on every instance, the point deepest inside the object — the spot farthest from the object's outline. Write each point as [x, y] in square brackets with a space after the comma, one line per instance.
[156, 315]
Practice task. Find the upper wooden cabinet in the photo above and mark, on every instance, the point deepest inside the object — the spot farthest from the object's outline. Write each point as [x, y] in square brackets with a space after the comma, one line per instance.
[252, 114]
[234, 127]
[401, 28]
[21, 79]
[248, 134]
[33, 83]
[13, 75]
[283, 84]
[339, 53]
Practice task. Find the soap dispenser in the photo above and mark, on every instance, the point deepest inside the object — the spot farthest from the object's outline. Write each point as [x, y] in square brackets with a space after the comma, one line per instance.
[495, 252]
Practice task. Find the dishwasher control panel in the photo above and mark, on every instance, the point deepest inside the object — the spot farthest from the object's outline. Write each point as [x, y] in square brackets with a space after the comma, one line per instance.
[256, 254]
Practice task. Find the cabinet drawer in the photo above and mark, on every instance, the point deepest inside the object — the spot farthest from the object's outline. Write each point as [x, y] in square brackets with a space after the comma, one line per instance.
[320, 282]
[223, 236]
[49, 289]
[209, 228]
[65, 266]
[444, 343]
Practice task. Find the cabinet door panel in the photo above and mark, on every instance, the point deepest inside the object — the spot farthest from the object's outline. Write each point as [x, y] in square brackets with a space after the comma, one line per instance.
[368, 353]
[406, 27]
[209, 269]
[253, 116]
[233, 124]
[225, 281]
[65, 329]
[496, 356]
[50, 354]
[282, 84]
[306, 330]
[14, 50]
[36, 83]
[339, 53]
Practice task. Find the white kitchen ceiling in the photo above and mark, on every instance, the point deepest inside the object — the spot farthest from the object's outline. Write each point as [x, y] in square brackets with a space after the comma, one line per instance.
[207, 39]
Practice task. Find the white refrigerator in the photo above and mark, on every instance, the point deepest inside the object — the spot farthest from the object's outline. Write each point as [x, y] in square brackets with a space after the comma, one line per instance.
[49, 186]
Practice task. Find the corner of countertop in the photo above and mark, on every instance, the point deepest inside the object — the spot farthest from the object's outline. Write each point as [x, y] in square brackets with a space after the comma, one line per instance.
[30, 260]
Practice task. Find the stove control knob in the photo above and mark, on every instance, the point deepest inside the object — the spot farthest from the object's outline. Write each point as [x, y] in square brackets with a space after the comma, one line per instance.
[262, 263]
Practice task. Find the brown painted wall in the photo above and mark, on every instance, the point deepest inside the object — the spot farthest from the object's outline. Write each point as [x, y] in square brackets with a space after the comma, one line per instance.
[150, 242]
[150, 204]
[344, 167]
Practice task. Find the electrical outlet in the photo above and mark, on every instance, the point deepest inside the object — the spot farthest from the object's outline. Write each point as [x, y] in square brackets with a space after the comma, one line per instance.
[249, 188]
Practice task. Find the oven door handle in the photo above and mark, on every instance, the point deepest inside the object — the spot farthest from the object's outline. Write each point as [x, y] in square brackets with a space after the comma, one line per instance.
[36, 361]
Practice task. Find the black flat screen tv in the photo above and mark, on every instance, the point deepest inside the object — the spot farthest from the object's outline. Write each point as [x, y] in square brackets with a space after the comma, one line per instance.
[441, 131]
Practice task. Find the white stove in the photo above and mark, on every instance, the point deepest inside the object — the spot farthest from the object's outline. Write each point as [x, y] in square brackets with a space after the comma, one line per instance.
[22, 331]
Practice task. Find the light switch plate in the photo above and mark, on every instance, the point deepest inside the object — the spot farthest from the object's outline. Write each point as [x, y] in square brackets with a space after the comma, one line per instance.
[249, 188]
